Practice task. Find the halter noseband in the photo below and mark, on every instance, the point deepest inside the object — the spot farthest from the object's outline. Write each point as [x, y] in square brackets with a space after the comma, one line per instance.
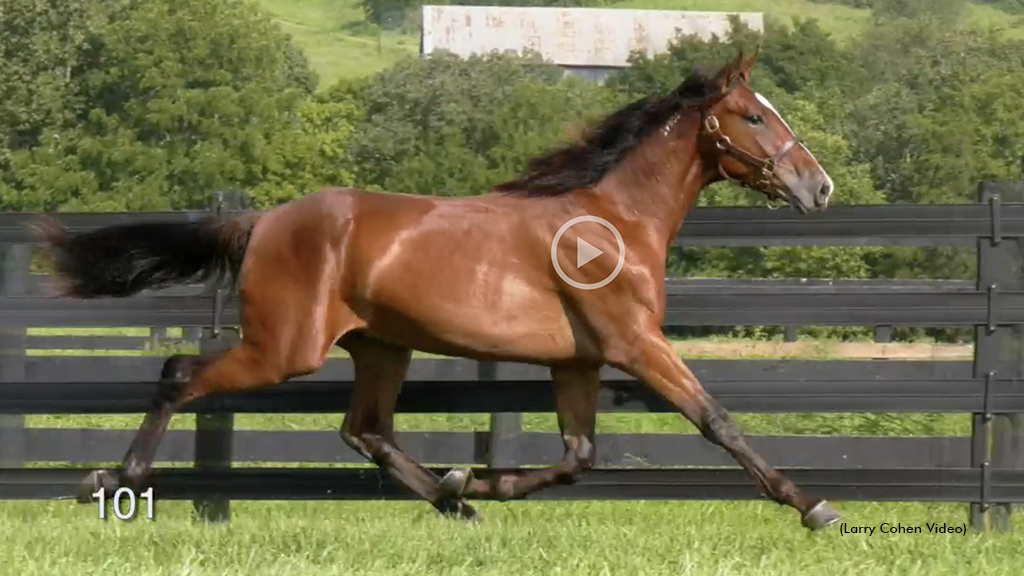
[763, 168]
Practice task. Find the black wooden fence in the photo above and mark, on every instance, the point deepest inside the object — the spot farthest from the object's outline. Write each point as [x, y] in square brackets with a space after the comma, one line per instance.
[985, 469]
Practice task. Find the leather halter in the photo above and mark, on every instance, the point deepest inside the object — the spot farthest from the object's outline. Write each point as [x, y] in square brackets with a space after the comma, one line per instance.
[763, 167]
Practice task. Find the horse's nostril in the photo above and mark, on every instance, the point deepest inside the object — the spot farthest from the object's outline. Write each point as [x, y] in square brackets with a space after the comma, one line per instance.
[823, 193]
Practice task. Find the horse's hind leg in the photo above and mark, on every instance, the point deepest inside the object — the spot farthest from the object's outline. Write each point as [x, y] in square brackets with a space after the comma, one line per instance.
[368, 427]
[187, 378]
[576, 402]
[138, 459]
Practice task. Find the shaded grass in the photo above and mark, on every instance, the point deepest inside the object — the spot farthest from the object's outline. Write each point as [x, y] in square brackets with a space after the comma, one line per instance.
[520, 538]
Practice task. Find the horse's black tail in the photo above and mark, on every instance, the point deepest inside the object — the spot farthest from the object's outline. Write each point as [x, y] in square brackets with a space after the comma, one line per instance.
[124, 259]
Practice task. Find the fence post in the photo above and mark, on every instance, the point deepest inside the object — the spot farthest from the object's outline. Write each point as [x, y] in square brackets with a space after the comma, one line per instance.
[1008, 429]
[214, 431]
[15, 267]
[996, 355]
[213, 435]
[503, 444]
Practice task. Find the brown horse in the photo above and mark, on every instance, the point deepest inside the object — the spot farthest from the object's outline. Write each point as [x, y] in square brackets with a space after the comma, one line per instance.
[382, 274]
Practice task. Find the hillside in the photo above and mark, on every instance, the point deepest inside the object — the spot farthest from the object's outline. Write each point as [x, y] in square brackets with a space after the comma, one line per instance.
[338, 42]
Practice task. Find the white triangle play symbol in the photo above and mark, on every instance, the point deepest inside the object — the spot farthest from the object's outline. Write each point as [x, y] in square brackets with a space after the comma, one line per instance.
[585, 252]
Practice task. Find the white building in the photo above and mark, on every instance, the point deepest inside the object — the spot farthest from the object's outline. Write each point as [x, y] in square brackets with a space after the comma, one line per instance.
[590, 42]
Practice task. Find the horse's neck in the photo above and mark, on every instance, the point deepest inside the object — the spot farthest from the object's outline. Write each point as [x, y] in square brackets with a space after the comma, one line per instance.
[659, 183]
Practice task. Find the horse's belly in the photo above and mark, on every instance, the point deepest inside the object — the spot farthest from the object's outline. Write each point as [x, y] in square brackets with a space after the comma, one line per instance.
[507, 318]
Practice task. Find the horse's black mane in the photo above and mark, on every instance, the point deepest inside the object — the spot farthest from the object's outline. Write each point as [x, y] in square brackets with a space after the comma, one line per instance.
[585, 163]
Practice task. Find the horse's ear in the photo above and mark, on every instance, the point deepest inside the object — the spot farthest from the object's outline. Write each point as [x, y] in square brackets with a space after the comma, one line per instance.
[746, 64]
[729, 73]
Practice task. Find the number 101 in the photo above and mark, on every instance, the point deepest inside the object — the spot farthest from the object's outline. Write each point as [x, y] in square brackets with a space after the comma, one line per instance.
[124, 493]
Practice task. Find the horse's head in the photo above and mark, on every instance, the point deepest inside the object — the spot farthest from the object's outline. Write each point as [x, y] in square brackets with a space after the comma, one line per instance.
[743, 134]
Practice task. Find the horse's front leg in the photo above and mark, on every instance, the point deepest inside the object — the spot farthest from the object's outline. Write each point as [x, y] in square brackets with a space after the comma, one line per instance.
[650, 358]
[576, 403]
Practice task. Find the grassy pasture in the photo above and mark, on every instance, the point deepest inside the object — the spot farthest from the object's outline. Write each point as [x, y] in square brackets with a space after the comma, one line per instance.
[522, 538]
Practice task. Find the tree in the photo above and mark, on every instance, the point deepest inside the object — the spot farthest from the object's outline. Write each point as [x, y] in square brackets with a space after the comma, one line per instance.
[943, 114]
[447, 126]
[161, 103]
[39, 47]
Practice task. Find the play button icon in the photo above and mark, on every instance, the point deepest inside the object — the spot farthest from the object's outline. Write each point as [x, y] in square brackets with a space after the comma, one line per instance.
[586, 252]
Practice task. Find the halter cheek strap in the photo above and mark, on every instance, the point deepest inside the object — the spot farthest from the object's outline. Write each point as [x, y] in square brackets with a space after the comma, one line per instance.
[763, 167]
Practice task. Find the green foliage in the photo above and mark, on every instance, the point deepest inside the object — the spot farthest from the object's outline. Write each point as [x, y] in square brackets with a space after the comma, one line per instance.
[39, 47]
[153, 105]
[445, 126]
[389, 14]
[943, 114]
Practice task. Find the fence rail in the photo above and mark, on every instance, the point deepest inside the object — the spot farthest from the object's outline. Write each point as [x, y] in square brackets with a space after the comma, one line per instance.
[106, 385]
[690, 304]
[82, 446]
[884, 225]
[37, 303]
[985, 469]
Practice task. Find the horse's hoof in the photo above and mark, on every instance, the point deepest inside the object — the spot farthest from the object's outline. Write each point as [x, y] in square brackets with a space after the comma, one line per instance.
[96, 480]
[469, 514]
[822, 515]
[454, 483]
[458, 509]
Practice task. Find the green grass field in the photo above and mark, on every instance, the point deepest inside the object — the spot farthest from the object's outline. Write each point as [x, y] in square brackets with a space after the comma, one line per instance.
[339, 44]
[521, 538]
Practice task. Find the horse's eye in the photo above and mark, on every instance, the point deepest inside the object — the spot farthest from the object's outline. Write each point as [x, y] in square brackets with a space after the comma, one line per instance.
[755, 119]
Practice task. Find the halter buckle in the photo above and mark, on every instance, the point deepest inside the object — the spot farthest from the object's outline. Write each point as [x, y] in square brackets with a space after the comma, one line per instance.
[711, 123]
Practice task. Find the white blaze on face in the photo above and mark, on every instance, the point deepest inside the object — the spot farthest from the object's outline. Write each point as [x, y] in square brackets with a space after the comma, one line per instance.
[764, 102]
